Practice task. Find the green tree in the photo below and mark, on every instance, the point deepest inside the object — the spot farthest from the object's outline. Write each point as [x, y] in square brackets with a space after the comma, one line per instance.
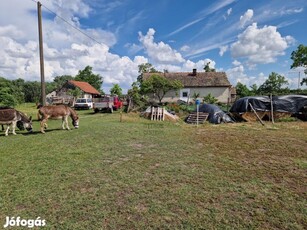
[145, 68]
[242, 90]
[274, 84]
[195, 96]
[159, 86]
[17, 90]
[60, 80]
[12, 91]
[87, 75]
[299, 58]
[116, 90]
[76, 92]
[208, 69]
[6, 98]
[254, 90]
[210, 99]
[32, 91]
[134, 96]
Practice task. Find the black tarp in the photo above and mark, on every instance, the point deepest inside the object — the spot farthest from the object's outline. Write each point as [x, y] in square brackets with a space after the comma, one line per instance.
[216, 115]
[294, 104]
[259, 103]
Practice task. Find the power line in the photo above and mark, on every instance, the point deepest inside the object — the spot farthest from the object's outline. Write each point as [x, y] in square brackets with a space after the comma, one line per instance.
[73, 26]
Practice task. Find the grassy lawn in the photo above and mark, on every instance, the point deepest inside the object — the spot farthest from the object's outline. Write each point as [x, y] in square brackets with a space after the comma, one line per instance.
[138, 174]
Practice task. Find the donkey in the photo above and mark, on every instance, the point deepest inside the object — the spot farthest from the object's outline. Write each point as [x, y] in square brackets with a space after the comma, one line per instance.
[58, 112]
[13, 117]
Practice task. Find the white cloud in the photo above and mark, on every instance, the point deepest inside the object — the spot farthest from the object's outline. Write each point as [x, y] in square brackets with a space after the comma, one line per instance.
[229, 11]
[236, 63]
[159, 52]
[223, 49]
[236, 74]
[66, 50]
[246, 18]
[291, 11]
[133, 48]
[185, 48]
[260, 45]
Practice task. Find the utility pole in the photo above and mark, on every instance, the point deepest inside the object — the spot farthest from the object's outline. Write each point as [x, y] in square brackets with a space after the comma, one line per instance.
[41, 54]
[299, 80]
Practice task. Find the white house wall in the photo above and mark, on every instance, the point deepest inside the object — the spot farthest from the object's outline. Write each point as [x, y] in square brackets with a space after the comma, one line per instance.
[221, 93]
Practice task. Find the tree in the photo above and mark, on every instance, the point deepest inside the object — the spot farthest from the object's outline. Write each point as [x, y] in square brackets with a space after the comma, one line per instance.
[60, 80]
[145, 68]
[273, 84]
[32, 91]
[210, 99]
[76, 92]
[195, 96]
[116, 90]
[88, 76]
[14, 89]
[299, 58]
[208, 69]
[254, 90]
[6, 98]
[159, 86]
[134, 96]
[242, 90]
[17, 90]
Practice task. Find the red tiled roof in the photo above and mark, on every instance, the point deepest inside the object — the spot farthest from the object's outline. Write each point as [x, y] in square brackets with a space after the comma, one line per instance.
[84, 86]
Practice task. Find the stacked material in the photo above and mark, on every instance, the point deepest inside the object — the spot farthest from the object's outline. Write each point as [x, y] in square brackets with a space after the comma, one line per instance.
[279, 106]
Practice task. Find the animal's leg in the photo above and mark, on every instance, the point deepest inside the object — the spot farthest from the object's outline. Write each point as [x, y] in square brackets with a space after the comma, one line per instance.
[38, 116]
[7, 130]
[14, 127]
[63, 123]
[43, 123]
[66, 121]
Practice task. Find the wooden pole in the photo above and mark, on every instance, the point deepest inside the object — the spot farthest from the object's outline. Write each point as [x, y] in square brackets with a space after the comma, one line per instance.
[272, 113]
[41, 54]
[256, 113]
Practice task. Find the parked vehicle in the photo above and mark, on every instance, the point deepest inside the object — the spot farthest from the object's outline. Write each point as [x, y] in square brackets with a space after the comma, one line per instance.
[83, 103]
[107, 103]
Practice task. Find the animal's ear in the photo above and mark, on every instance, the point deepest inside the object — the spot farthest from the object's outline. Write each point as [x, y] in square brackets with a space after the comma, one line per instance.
[30, 118]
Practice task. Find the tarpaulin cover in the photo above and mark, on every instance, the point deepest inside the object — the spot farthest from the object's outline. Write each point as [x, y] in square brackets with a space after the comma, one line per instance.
[216, 115]
[288, 104]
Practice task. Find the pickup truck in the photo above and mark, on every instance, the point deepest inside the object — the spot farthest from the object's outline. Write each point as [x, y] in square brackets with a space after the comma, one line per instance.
[83, 103]
[108, 103]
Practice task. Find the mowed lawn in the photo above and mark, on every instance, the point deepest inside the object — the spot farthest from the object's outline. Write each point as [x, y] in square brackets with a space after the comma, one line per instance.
[138, 174]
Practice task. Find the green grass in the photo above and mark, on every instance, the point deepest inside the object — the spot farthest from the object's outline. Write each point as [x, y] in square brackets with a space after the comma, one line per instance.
[138, 174]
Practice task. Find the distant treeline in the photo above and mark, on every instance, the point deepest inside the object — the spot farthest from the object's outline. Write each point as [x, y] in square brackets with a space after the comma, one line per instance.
[14, 92]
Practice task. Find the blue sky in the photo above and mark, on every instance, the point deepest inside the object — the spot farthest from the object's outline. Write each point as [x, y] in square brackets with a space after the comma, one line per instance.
[246, 39]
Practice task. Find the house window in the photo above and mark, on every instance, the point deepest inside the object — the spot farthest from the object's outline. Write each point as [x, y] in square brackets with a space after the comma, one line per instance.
[184, 94]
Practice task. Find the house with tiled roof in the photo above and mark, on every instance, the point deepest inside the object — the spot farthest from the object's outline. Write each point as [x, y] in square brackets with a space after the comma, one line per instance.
[202, 83]
[87, 90]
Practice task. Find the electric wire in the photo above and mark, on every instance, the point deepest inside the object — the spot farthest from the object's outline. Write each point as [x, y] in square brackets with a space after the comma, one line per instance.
[66, 21]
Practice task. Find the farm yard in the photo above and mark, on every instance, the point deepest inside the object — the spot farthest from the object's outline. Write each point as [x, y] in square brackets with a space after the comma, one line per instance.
[139, 174]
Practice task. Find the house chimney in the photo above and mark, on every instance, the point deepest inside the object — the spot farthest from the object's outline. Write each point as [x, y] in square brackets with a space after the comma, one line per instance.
[194, 72]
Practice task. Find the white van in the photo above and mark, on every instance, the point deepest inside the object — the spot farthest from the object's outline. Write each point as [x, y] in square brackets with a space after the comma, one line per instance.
[83, 103]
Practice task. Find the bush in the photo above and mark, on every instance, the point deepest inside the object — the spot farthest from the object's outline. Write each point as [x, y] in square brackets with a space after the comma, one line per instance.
[7, 99]
[173, 107]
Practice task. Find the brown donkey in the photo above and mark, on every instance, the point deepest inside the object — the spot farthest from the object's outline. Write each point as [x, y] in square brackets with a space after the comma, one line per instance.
[58, 112]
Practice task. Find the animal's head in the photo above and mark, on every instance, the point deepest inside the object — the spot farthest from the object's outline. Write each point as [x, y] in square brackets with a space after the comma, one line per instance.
[28, 124]
[75, 122]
